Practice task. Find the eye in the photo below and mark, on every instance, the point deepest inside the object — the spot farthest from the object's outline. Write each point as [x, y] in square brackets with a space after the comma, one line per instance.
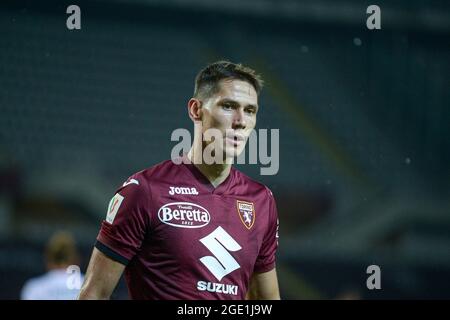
[250, 110]
[227, 106]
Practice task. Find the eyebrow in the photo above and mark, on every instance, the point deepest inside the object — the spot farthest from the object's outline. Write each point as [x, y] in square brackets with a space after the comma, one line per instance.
[228, 100]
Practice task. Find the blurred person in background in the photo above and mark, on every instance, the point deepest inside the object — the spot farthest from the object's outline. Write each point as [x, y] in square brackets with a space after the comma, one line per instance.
[57, 283]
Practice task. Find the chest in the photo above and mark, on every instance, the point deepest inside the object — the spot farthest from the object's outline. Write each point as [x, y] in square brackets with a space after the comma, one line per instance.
[194, 226]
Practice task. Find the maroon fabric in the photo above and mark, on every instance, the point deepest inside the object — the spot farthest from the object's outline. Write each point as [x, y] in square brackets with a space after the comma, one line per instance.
[185, 239]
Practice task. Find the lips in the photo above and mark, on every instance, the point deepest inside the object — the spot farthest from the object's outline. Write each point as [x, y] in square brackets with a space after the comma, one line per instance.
[235, 139]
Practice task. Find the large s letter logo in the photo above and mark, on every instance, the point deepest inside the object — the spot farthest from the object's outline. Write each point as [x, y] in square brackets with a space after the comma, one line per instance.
[219, 242]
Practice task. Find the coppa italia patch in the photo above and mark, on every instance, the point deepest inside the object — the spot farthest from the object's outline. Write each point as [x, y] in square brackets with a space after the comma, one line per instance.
[113, 207]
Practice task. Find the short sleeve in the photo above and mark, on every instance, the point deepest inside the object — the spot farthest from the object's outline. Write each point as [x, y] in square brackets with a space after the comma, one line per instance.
[266, 257]
[127, 221]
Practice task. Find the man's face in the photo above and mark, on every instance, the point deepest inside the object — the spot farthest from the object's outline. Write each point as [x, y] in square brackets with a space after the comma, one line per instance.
[232, 111]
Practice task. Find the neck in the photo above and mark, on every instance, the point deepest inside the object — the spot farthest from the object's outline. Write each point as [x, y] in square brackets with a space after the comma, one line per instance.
[215, 173]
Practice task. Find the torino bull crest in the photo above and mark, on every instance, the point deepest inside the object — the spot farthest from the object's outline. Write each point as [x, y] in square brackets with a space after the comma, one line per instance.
[246, 211]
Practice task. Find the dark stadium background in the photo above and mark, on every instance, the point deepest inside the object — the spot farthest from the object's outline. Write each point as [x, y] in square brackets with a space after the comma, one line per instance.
[363, 116]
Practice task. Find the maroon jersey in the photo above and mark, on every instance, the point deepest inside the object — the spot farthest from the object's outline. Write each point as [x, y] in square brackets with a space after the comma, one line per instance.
[181, 238]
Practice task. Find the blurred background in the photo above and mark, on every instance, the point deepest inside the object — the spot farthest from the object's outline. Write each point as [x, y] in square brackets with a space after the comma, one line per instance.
[363, 116]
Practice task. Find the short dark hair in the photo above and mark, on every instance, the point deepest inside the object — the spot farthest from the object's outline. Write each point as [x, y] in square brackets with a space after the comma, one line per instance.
[207, 80]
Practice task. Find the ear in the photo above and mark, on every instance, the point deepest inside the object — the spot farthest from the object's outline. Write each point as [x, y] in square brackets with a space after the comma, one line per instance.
[195, 109]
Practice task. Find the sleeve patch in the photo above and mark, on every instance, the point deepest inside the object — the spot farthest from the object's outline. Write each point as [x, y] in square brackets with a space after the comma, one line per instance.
[113, 207]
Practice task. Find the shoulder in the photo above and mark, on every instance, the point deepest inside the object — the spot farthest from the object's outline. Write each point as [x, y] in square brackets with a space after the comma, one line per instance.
[37, 281]
[160, 171]
[33, 286]
[141, 181]
[28, 288]
[244, 182]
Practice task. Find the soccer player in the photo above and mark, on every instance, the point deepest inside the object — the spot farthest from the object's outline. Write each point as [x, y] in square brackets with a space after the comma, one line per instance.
[187, 229]
[60, 253]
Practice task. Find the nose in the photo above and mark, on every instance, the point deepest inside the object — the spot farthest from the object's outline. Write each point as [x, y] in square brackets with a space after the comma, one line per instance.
[239, 121]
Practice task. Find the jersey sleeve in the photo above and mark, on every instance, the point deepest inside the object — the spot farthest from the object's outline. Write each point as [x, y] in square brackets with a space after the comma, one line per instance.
[127, 221]
[266, 257]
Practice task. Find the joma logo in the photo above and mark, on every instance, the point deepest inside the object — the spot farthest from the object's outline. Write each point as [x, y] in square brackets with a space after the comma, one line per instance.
[182, 190]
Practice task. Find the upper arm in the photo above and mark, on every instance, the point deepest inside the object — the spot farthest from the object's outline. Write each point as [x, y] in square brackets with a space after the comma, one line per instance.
[264, 282]
[101, 278]
[266, 255]
[264, 286]
[120, 237]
